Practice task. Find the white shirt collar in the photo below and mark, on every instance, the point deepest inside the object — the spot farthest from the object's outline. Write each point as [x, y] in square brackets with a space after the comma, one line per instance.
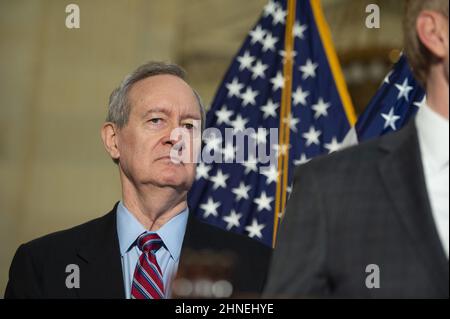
[433, 132]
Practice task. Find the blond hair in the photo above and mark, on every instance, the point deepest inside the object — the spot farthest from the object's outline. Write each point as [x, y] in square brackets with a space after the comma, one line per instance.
[419, 57]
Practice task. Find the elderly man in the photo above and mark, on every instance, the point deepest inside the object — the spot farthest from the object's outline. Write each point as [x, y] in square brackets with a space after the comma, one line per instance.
[372, 221]
[135, 250]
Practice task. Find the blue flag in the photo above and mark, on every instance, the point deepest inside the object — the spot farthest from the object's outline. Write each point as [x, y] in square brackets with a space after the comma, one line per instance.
[395, 103]
[241, 197]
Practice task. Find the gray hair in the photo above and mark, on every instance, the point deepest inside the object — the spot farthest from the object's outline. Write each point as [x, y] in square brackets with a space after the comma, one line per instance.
[119, 106]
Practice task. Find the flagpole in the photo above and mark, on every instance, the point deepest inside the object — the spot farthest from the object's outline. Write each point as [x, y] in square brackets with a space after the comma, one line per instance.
[339, 79]
[286, 101]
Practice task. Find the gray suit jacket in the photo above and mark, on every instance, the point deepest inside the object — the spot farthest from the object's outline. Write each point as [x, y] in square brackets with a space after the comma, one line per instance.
[364, 205]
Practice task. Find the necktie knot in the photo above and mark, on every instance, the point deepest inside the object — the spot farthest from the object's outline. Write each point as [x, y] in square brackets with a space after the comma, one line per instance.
[149, 242]
[148, 279]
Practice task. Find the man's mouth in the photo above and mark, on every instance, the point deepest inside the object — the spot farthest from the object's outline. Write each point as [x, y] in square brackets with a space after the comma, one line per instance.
[173, 160]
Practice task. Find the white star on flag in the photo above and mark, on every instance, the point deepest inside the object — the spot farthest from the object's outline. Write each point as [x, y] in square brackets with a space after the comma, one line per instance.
[404, 90]
[210, 208]
[257, 35]
[299, 30]
[333, 146]
[234, 88]
[254, 230]
[228, 153]
[321, 108]
[299, 96]
[312, 137]
[271, 174]
[281, 148]
[279, 16]
[269, 109]
[202, 171]
[249, 97]
[309, 69]
[284, 54]
[245, 61]
[277, 81]
[250, 165]
[260, 136]
[223, 115]
[293, 121]
[390, 119]
[302, 160]
[269, 42]
[258, 70]
[241, 192]
[263, 202]
[213, 142]
[232, 220]
[269, 8]
[239, 123]
[219, 179]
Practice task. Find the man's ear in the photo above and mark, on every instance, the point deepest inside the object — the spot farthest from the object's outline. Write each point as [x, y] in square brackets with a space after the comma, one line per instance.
[109, 137]
[432, 30]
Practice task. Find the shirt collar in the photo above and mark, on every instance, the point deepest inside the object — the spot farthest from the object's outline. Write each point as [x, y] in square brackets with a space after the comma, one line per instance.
[433, 131]
[171, 233]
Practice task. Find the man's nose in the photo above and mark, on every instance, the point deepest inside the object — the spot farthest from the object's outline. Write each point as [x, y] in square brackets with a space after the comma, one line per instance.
[173, 136]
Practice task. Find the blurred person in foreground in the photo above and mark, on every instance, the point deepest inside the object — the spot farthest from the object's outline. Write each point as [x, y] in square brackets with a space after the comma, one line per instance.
[372, 221]
[135, 250]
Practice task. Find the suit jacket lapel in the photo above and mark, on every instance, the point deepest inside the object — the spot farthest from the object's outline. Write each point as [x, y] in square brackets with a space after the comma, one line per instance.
[402, 173]
[101, 269]
[189, 239]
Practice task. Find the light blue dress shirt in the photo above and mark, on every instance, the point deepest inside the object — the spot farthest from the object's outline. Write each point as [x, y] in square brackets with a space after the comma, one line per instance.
[168, 256]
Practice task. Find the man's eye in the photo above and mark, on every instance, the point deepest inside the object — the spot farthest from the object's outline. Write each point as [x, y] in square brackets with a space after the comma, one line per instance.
[156, 120]
[189, 126]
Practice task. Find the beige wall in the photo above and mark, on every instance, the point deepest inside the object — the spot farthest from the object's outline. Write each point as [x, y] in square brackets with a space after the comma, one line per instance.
[54, 87]
[55, 84]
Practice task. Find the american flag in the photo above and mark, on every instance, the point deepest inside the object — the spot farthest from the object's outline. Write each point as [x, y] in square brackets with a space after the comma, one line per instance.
[395, 103]
[240, 197]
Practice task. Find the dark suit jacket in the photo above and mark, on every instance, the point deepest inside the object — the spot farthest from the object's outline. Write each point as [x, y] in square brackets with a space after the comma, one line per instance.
[361, 206]
[38, 268]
